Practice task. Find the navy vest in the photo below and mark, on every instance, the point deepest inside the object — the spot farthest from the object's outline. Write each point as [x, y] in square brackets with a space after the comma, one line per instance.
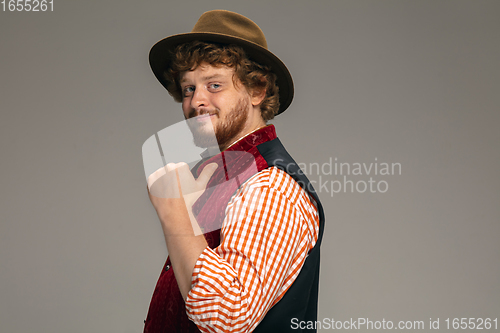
[300, 302]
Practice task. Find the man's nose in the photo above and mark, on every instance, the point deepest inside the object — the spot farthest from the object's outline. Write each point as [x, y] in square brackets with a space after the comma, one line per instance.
[200, 99]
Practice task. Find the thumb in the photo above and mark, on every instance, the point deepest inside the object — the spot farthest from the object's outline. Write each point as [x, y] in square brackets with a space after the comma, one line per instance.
[207, 172]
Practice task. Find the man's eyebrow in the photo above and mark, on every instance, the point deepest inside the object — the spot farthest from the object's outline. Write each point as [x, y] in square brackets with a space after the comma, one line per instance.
[206, 78]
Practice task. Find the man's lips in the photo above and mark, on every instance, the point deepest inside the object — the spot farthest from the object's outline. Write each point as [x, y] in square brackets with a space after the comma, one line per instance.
[205, 116]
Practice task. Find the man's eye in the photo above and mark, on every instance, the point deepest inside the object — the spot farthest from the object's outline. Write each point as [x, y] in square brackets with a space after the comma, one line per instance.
[214, 85]
[187, 90]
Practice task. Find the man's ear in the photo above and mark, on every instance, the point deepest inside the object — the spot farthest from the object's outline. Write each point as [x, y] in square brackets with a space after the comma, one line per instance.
[258, 96]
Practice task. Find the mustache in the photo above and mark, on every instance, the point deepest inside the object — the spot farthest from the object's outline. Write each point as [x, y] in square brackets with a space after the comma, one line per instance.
[195, 113]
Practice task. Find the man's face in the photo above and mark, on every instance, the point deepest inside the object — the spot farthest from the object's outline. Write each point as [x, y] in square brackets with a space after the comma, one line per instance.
[210, 94]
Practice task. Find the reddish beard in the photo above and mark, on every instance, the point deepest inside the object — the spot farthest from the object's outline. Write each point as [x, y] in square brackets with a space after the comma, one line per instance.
[226, 130]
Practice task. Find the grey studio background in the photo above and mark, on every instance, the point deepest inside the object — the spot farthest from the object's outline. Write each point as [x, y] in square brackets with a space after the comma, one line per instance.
[408, 82]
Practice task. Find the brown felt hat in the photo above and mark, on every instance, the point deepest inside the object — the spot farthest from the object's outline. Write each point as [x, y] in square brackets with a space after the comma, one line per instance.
[222, 26]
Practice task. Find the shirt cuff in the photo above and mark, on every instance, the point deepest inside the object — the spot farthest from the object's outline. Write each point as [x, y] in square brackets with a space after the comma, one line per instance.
[212, 277]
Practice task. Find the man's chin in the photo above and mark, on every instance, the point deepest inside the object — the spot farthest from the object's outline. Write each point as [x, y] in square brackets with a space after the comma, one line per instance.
[205, 138]
[203, 131]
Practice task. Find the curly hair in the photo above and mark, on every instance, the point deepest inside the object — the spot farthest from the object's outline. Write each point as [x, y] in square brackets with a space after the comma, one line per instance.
[253, 76]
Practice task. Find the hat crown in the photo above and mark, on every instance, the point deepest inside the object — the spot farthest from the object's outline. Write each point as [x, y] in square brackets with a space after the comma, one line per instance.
[231, 24]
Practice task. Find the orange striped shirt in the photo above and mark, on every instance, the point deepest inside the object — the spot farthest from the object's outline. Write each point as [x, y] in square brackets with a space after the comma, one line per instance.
[270, 225]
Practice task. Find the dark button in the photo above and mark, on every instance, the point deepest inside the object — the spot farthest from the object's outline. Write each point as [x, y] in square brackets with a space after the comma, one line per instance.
[167, 267]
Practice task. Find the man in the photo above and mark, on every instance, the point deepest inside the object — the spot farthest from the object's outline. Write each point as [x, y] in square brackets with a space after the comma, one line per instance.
[259, 270]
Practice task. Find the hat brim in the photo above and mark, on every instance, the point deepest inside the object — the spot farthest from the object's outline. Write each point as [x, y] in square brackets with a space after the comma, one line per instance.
[160, 59]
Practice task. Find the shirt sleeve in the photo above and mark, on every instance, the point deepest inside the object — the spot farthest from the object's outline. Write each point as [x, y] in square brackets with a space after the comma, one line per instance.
[270, 226]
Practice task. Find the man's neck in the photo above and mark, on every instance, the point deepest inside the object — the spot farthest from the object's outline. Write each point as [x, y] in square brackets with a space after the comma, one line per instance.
[242, 137]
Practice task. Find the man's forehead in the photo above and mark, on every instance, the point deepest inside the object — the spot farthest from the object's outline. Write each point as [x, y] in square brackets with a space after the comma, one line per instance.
[207, 72]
